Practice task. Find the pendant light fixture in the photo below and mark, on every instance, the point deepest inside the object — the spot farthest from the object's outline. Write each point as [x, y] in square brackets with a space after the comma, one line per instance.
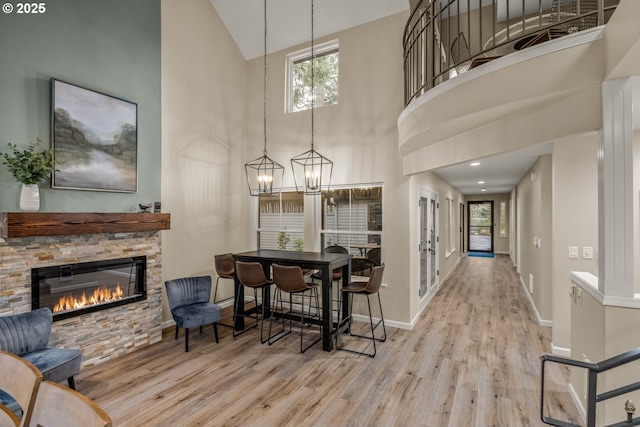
[311, 170]
[264, 176]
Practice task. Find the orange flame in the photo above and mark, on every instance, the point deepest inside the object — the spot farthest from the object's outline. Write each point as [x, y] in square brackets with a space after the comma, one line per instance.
[99, 296]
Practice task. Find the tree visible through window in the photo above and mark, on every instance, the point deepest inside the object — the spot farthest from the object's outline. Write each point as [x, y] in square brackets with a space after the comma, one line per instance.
[325, 81]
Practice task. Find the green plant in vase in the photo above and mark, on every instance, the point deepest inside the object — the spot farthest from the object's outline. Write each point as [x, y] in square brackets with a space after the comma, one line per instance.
[31, 167]
[298, 245]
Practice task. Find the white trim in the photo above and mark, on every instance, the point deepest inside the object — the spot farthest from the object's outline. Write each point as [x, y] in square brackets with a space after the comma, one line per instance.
[303, 55]
[560, 351]
[389, 323]
[565, 42]
[615, 195]
[541, 322]
[589, 283]
[576, 401]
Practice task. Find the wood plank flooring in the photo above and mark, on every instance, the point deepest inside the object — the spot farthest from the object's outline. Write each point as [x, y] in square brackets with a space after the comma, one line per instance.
[473, 359]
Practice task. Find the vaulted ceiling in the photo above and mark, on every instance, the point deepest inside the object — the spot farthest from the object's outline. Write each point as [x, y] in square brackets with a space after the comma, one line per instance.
[289, 24]
[289, 21]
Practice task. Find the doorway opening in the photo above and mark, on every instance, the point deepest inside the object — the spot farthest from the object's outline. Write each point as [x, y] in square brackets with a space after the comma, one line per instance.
[480, 226]
[461, 222]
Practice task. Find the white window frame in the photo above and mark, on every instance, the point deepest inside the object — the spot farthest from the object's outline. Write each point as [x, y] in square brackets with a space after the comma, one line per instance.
[502, 220]
[302, 55]
[324, 231]
[282, 225]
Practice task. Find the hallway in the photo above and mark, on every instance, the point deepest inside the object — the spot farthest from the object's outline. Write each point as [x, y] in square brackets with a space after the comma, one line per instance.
[473, 359]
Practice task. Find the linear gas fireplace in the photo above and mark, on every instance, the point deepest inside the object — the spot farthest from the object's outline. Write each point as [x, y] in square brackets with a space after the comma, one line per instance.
[74, 289]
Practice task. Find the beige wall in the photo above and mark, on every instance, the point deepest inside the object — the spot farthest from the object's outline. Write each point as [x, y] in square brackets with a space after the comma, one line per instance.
[587, 339]
[534, 191]
[600, 332]
[212, 125]
[359, 134]
[203, 122]
[575, 222]
[430, 182]
[636, 205]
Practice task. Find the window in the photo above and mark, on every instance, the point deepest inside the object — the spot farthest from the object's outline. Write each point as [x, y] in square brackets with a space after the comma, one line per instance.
[352, 218]
[503, 218]
[299, 88]
[281, 222]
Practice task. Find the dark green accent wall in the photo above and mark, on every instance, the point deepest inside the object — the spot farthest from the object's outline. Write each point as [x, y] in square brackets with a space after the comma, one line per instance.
[111, 46]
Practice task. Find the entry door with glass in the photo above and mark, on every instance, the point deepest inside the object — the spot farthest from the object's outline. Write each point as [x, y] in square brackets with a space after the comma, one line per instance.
[480, 231]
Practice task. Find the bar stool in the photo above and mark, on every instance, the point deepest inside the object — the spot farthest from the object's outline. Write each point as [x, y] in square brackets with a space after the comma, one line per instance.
[336, 274]
[290, 279]
[251, 275]
[225, 269]
[372, 286]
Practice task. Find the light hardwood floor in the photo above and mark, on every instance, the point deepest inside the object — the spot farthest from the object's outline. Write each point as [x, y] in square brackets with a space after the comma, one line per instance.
[472, 359]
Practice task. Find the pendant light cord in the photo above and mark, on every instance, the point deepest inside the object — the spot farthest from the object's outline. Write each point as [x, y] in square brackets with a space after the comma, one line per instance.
[313, 77]
[265, 79]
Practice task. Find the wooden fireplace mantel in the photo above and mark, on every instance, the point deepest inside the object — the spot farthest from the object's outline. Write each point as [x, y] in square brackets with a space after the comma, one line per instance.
[30, 224]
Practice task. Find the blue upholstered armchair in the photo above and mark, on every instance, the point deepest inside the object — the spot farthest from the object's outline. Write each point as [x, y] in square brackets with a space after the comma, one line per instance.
[190, 307]
[27, 335]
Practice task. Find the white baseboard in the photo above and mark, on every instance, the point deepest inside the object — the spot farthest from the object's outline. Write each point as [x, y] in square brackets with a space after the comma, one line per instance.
[390, 323]
[541, 322]
[440, 285]
[576, 400]
[560, 351]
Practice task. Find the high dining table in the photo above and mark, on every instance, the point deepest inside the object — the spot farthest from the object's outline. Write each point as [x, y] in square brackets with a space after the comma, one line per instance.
[325, 262]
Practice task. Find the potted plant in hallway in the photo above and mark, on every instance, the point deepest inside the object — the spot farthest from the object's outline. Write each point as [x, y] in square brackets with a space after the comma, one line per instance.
[30, 167]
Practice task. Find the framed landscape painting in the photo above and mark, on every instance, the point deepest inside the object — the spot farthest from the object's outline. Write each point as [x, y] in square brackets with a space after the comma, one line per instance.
[95, 137]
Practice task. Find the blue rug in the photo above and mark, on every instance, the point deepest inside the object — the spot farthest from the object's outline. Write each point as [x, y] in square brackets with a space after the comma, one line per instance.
[481, 254]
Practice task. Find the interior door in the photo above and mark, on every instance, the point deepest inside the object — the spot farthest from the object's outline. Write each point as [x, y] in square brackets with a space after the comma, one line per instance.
[428, 244]
[424, 246]
[433, 247]
[461, 223]
[480, 226]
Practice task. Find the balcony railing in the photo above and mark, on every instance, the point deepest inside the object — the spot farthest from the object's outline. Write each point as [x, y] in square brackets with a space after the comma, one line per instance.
[445, 38]
[592, 395]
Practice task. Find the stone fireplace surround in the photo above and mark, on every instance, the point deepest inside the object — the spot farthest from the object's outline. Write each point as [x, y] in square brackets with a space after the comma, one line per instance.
[101, 335]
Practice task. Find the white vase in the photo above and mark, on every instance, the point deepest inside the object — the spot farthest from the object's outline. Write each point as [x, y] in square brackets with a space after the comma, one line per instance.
[30, 198]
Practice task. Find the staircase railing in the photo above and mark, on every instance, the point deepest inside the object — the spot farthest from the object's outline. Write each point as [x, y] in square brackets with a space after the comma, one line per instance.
[593, 369]
[444, 38]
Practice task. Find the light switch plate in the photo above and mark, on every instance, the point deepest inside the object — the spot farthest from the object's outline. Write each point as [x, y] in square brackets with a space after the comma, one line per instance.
[587, 252]
[573, 252]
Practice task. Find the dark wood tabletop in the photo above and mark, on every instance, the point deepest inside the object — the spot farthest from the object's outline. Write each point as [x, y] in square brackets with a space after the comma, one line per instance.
[325, 262]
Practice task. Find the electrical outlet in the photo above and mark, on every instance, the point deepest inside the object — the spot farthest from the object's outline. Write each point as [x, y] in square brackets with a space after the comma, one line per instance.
[587, 252]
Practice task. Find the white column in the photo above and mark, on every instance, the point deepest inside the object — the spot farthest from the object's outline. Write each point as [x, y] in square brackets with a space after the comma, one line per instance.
[312, 222]
[615, 189]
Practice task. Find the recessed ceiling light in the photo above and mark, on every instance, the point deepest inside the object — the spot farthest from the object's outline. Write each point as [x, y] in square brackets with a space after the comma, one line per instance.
[474, 164]
[483, 189]
[480, 182]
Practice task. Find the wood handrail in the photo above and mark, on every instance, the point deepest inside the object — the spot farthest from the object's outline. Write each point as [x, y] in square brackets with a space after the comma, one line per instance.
[31, 224]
